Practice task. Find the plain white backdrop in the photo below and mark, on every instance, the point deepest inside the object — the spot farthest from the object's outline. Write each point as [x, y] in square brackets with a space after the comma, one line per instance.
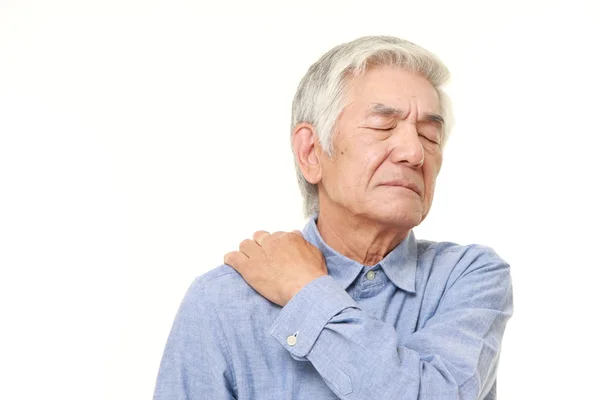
[142, 140]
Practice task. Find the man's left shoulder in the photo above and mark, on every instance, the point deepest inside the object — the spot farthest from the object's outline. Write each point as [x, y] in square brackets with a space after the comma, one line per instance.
[452, 248]
[457, 259]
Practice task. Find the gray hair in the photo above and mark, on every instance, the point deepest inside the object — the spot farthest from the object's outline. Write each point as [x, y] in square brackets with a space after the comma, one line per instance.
[320, 97]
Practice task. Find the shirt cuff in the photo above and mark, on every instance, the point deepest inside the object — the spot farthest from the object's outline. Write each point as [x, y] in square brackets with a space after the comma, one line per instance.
[301, 321]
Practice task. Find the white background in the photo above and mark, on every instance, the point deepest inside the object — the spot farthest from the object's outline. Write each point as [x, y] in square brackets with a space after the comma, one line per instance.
[142, 140]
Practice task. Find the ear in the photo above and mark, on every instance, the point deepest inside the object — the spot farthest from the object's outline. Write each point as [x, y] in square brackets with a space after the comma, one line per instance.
[307, 151]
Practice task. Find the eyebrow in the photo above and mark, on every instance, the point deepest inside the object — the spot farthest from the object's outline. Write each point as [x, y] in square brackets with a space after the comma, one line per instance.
[382, 109]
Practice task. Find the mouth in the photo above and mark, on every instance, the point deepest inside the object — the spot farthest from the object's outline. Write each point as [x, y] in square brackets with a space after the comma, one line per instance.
[403, 184]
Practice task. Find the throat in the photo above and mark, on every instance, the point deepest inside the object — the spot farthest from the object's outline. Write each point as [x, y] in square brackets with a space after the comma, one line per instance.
[366, 243]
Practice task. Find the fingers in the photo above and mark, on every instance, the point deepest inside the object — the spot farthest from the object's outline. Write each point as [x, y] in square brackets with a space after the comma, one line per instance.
[250, 248]
[260, 236]
[236, 259]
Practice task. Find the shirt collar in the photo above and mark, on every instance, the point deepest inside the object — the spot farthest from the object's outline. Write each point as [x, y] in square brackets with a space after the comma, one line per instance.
[400, 264]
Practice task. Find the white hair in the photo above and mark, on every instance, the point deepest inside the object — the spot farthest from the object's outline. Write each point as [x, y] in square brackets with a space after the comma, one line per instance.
[320, 97]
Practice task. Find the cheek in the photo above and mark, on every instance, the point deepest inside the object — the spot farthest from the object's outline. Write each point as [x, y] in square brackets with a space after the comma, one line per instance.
[431, 188]
[372, 157]
[338, 175]
[430, 174]
[359, 162]
[355, 164]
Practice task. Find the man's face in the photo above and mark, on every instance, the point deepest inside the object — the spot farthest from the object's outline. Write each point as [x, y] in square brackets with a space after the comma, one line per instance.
[386, 138]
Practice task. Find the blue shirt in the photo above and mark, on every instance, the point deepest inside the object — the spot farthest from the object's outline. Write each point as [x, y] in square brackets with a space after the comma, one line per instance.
[424, 323]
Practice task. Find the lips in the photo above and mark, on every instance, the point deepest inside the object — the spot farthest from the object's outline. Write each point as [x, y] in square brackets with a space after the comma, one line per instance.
[405, 184]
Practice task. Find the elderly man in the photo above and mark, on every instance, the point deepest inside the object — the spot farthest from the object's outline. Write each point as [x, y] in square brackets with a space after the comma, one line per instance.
[354, 306]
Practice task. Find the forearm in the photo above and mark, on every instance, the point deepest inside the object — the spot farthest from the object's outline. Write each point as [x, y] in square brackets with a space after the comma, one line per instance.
[359, 357]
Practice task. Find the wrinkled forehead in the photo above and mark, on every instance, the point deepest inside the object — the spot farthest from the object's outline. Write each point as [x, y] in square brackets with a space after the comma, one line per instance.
[394, 87]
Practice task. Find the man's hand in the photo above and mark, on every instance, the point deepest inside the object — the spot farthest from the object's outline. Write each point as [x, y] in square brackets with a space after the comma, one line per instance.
[277, 265]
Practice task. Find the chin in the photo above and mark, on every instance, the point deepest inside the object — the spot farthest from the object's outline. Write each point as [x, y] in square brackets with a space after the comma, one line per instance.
[401, 215]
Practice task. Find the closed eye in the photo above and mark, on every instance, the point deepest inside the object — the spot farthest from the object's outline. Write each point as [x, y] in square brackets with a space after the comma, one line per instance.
[393, 127]
[428, 139]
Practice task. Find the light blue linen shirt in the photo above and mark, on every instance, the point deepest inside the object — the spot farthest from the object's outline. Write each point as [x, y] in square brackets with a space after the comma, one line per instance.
[424, 323]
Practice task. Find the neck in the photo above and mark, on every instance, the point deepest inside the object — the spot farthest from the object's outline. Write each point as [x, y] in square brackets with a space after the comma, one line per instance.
[353, 236]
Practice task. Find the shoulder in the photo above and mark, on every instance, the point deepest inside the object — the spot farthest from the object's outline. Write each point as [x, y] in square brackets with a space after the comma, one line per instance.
[456, 260]
[224, 288]
[455, 250]
[470, 276]
[220, 275]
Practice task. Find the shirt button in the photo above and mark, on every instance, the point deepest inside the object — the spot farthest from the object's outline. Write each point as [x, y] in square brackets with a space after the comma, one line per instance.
[371, 275]
[291, 340]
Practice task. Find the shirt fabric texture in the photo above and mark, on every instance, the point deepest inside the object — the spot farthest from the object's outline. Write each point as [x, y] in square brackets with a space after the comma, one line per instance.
[426, 323]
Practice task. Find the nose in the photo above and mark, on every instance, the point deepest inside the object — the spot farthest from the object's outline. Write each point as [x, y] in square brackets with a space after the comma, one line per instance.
[407, 147]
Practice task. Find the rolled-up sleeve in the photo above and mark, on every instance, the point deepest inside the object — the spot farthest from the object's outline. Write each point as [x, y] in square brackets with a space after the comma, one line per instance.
[196, 360]
[454, 355]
